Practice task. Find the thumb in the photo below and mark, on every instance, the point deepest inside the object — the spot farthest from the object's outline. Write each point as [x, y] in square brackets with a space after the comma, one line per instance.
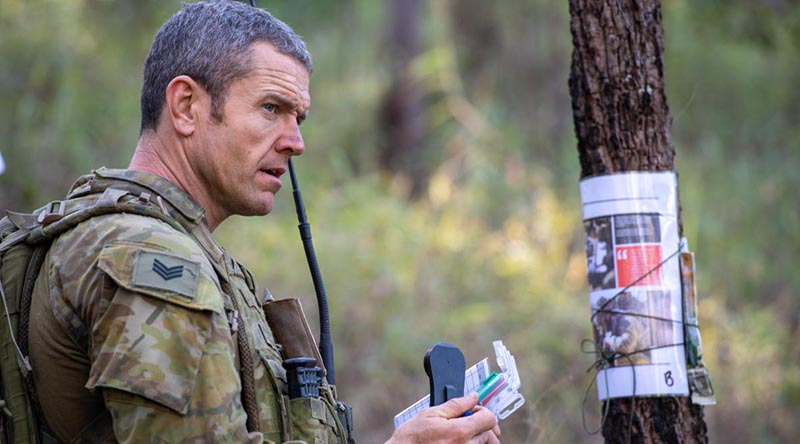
[456, 407]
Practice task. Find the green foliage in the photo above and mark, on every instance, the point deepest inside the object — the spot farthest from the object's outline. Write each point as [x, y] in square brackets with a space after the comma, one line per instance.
[495, 247]
[731, 76]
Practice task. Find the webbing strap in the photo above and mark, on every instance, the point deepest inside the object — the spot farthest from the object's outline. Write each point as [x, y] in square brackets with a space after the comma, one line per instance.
[22, 221]
[101, 207]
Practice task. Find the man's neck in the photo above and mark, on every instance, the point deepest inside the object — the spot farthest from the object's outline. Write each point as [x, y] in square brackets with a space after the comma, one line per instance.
[167, 159]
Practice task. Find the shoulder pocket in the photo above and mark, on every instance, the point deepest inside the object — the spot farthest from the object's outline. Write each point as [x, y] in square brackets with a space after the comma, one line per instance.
[153, 339]
[175, 278]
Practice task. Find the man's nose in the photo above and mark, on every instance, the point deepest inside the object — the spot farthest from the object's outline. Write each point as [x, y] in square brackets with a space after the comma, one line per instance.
[292, 140]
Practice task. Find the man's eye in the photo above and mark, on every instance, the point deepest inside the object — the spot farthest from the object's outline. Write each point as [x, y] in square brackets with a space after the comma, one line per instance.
[271, 107]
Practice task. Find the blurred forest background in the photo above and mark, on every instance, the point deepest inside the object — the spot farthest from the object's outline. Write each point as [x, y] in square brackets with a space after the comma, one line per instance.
[441, 180]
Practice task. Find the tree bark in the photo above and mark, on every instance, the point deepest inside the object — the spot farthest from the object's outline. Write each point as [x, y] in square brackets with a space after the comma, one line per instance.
[402, 108]
[622, 123]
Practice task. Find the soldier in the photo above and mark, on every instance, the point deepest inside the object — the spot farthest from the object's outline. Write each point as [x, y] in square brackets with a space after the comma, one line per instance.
[143, 329]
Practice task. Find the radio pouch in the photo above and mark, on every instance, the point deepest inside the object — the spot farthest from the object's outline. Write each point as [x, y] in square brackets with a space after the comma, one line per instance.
[291, 330]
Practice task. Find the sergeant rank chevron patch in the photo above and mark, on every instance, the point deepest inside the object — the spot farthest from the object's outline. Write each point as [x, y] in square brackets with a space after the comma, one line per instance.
[167, 273]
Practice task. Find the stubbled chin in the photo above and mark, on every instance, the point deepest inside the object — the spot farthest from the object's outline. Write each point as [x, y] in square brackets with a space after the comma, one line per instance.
[266, 203]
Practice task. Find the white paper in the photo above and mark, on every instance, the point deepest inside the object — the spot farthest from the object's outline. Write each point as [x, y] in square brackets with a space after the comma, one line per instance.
[631, 232]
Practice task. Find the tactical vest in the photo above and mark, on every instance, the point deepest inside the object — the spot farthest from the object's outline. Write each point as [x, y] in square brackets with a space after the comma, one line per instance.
[24, 242]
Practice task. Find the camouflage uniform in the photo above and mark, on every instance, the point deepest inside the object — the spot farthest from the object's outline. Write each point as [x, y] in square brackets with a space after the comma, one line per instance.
[146, 318]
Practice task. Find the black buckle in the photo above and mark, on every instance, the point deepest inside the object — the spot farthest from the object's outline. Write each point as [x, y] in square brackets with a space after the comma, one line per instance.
[345, 414]
[51, 213]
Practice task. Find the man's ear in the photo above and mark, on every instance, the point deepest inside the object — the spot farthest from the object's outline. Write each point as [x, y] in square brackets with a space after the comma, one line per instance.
[185, 103]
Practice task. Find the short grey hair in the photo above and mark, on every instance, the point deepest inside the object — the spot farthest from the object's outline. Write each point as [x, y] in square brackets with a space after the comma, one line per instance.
[209, 41]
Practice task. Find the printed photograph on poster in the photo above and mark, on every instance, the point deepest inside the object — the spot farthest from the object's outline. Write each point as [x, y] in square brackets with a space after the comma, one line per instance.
[629, 325]
[600, 254]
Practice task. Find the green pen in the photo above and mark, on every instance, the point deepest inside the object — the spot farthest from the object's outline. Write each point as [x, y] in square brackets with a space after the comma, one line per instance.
[487, 386]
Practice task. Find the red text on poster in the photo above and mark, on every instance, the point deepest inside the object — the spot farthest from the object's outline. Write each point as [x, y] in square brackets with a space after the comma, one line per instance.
[635, 261]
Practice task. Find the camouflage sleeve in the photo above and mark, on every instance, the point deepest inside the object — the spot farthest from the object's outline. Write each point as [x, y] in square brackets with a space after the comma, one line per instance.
[167, 373]
[161, 350]
[146, 302]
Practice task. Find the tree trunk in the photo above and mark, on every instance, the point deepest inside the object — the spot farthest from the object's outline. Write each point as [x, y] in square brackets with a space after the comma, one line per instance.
[402, 109]
[622, 123]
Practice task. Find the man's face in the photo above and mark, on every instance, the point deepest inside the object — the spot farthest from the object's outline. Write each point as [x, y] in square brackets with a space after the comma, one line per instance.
[240, 160]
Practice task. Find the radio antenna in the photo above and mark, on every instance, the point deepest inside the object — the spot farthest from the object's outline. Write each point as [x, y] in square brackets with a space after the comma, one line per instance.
[325, 341]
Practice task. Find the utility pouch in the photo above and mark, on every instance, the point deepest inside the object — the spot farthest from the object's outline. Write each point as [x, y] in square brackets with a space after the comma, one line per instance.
[291, 330]
[312, 421]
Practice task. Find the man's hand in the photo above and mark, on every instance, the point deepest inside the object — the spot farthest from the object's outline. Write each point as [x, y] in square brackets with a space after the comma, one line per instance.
[446, 424]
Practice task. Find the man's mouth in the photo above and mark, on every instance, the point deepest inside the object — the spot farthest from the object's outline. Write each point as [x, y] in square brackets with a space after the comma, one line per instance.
[277, 172]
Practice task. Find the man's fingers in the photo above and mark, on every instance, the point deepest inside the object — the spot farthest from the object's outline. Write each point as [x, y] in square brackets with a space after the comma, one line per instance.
[478, 428]
[482, 420]
[456, 407]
